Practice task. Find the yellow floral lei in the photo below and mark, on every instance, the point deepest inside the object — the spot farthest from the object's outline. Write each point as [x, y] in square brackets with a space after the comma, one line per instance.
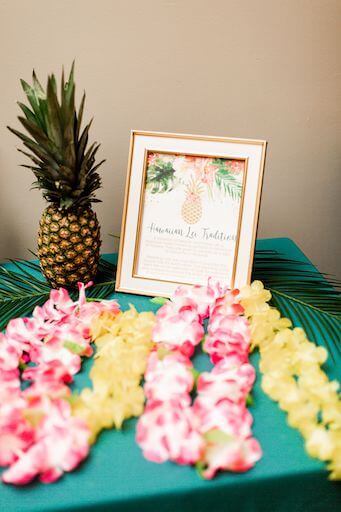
[292, 376]
[123, 343]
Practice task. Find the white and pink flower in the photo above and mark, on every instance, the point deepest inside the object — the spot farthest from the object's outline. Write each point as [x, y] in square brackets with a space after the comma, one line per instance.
[88, 310]
[23, 333]
[234, 454]
[16, 433]
[167, 431]
[227, 334]
[169, 378]
[178, 327]
[235, 383]
[58, 307]
[228, 304]
[201, 298]
[62, 442]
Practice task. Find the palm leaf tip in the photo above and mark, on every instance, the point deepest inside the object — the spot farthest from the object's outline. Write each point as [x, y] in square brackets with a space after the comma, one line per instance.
[304, 295]
[228, 183]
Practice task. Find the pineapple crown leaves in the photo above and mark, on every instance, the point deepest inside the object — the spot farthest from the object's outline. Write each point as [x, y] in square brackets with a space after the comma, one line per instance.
[62, 162]
[194, 187]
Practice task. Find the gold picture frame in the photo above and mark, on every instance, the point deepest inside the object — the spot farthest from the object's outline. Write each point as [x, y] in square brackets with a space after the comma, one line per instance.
[249, 153]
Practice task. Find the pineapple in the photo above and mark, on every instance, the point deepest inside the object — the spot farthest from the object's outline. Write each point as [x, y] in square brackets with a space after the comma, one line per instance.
[191, 210]
[65, 171]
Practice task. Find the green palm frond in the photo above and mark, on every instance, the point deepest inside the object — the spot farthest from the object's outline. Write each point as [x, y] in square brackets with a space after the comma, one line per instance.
[160, 176]
[24, 288]
[304, 295]
[228, 182]
[300, 292]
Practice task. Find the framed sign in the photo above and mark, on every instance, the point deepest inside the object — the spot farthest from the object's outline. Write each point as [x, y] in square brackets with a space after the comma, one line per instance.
[190, 211]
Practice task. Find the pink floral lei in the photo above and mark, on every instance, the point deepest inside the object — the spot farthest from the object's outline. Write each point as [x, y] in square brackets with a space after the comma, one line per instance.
[213, 432]
[38, 434]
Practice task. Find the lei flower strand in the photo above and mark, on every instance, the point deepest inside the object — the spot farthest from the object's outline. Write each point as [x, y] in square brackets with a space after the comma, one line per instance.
[123, 344]
[40, 433]
[292, 376]
[214, 432]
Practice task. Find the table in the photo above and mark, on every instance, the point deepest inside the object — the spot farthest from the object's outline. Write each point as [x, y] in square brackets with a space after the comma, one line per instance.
[117, 478]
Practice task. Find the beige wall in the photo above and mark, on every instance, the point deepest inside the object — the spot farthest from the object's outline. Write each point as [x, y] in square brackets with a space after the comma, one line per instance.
[267, 69]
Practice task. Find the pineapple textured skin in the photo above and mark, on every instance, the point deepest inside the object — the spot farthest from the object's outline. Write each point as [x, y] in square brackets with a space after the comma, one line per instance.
[68, 245]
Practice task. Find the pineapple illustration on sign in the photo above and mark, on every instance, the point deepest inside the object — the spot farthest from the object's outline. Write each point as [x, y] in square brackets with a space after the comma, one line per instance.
[66, 173]
[168, 172]
[191, 210]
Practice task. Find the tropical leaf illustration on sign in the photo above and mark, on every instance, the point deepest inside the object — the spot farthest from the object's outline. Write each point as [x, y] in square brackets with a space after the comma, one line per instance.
[196, 175]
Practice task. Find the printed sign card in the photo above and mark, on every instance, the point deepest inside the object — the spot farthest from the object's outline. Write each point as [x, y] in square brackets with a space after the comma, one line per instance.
[190, 213]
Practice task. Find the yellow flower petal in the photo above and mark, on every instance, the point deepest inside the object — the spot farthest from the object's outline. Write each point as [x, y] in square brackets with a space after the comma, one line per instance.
[123, 343]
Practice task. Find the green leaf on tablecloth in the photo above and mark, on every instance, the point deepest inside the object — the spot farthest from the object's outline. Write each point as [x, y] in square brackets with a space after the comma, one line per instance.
[200, 466]
[75, 348]
[160, 301]
[249, 400]
[195, 374]
[217, 436]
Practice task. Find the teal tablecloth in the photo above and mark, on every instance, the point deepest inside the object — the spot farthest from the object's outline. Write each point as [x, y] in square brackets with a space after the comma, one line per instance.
[117, 478]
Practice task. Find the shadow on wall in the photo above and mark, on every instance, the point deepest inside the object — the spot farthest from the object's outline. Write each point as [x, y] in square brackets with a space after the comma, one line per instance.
[11, 239]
